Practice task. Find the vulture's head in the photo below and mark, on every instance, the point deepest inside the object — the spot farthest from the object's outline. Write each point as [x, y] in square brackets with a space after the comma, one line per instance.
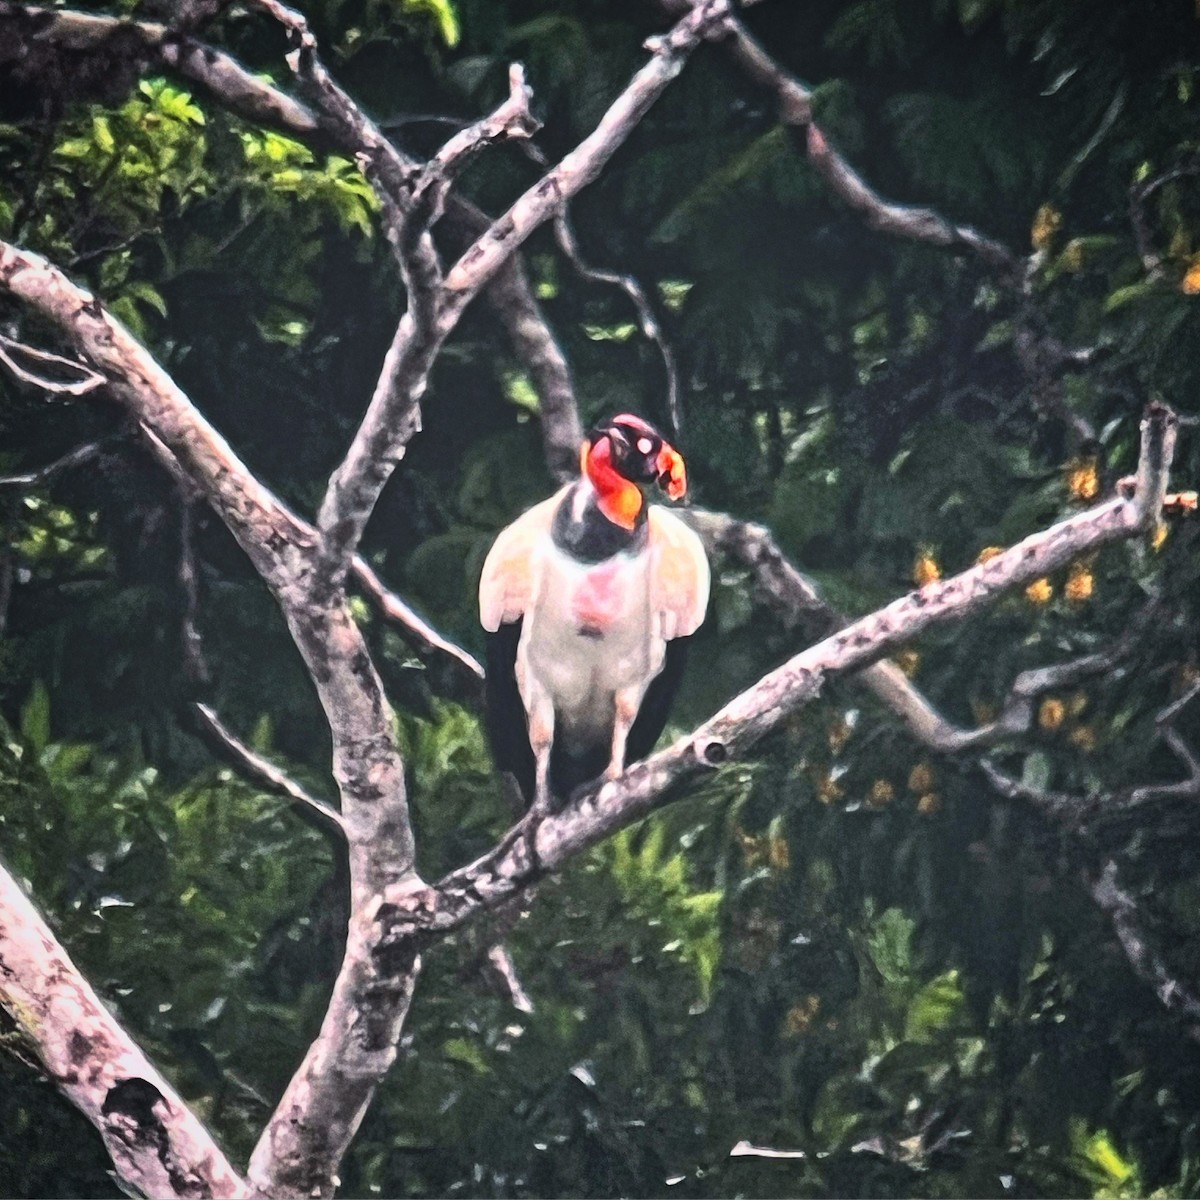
[636, 453]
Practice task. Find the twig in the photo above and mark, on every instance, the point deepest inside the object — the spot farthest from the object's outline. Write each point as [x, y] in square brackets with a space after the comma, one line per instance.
[1066, 808]
[511, 120]
[8, 559]
[1185, 789]
[1139, 193]
[265, 772]
[413, 628]
[651, 329]
[88, 379]
[40, 475]
[502, 963]
[1144, 956]
[580, 167]
[199, 672]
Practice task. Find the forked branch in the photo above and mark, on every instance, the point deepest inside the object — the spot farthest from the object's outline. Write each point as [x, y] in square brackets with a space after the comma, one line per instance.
[394, 413]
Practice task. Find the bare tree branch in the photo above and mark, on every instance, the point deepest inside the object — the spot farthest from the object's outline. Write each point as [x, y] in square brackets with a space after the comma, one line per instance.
[505, 968]
[1078, 811]
[415, 629]
[47, 474]
[157, 1146]
[263, 527]
[8, 559]
[1017, 712]
[651, 329]
[511, 120]
[366, 763]
[795, 109]
[798, 603]
[144, 43]
[535, 345]
[1077, 814]
[583, 164]
[86, 380]
[261, 770]
[252, 764]
[1144, 955]
[231, 85]
[309, 1132]
[1139, 193]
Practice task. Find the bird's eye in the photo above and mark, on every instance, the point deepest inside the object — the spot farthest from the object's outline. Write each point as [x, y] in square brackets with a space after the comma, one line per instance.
[645, 445]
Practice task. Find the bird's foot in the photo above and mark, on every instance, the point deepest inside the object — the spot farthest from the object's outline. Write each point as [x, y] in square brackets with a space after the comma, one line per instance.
[543, 804]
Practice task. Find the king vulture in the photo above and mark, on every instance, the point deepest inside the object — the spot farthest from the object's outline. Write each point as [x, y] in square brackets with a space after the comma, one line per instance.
[589, 600]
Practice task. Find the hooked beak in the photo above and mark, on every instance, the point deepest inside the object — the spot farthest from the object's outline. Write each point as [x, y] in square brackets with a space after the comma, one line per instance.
[672, 475]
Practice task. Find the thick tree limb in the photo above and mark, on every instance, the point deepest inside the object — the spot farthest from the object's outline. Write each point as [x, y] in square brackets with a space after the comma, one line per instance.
[157, 1146]
[328, 1095]
[538, 845]
[26, 29]
[312, 1127]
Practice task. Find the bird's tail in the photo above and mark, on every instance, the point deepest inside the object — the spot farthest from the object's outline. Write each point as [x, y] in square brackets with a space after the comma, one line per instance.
[573, 766]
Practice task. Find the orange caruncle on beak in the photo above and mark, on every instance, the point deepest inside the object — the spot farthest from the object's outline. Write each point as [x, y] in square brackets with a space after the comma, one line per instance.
[672, 475]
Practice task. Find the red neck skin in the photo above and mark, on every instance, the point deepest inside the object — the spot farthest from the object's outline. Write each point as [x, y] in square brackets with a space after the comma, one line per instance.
[619, 499]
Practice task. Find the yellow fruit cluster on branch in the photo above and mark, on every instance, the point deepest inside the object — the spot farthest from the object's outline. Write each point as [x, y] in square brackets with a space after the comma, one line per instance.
[1047, 221]
[1083, 479]
[925, 568]
[1080, 584]
[1040, 591]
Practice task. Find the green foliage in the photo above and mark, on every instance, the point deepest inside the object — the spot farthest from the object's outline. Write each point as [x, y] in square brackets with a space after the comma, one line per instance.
[655, 886]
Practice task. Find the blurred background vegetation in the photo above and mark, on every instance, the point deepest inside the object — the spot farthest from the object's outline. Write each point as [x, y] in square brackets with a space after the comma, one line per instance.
[848, 948]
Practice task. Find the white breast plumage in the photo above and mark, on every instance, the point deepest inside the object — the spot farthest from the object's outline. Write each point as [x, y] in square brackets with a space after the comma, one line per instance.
[589, 635]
